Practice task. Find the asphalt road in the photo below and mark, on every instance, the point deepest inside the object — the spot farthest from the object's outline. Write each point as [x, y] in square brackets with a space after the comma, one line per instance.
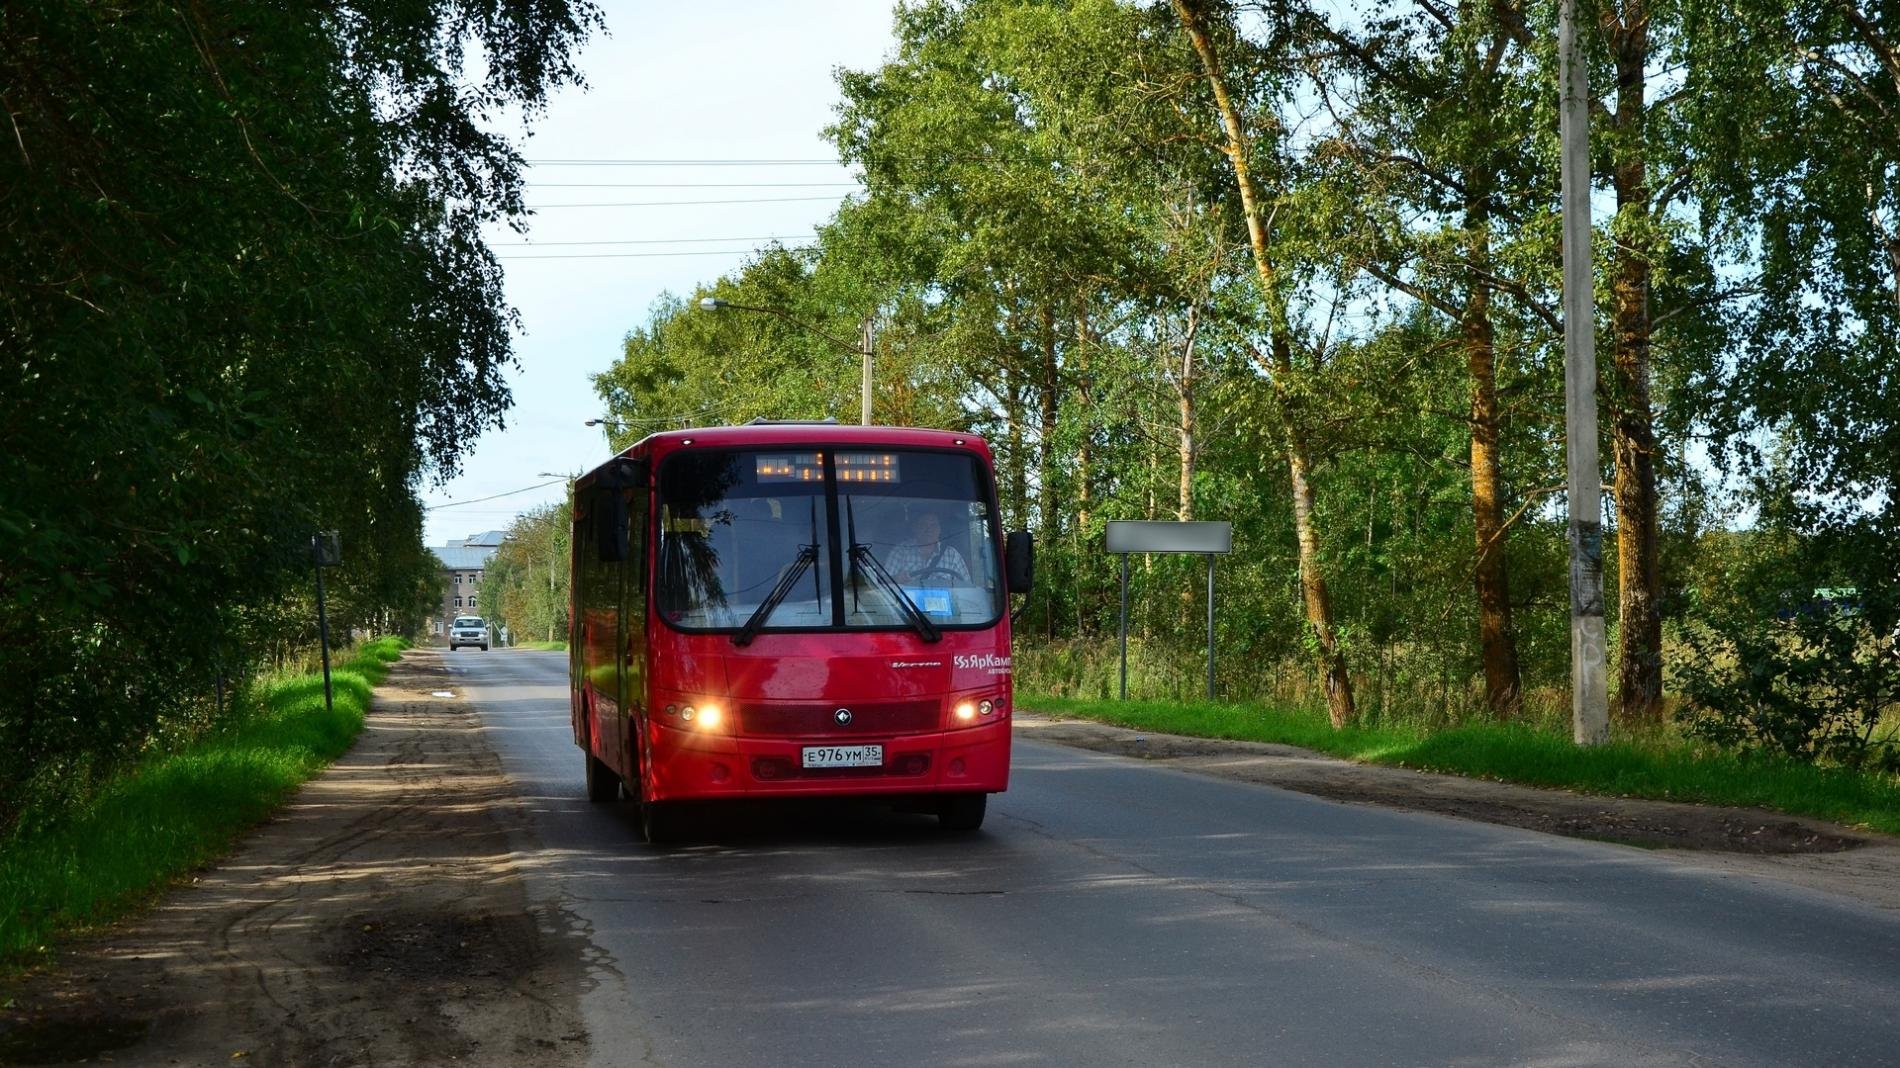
[1113, 912]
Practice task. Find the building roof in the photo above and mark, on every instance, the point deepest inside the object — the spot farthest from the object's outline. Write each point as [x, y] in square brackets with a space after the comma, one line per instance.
[471, 553]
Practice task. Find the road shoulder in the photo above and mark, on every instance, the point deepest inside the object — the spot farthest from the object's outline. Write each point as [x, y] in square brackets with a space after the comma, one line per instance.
[1806, 852]
[379, 917]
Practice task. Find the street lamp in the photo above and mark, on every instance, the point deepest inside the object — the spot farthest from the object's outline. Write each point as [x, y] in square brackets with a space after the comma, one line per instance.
[862, 348]
[610, 424]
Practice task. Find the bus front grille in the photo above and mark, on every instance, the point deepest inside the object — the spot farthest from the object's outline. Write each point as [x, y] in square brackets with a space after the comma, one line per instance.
[810, 720]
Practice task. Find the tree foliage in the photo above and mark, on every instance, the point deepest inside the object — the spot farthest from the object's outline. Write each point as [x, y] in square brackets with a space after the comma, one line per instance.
[243, 297]
[525, 584]
[1053, 238]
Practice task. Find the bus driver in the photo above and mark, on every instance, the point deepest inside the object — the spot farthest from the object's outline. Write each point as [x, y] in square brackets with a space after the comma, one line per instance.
[927, 558]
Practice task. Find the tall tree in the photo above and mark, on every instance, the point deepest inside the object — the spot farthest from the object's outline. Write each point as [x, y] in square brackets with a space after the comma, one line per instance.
[247, 298]
[1627, 28]
[1199, 22]
[1434, 155]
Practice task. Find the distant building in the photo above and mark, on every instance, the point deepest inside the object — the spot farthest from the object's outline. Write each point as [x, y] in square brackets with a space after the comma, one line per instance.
[462, 565]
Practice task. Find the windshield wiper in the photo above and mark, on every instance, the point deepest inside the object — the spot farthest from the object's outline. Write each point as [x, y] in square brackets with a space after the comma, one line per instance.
[807, 556]
[862, 557]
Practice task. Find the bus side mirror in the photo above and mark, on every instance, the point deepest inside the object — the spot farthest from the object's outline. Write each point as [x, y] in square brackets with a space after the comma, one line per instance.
[610, 527]
[1019, 561]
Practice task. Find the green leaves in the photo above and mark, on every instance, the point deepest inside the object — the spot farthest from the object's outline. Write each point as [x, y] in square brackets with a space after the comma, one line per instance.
[247, 298]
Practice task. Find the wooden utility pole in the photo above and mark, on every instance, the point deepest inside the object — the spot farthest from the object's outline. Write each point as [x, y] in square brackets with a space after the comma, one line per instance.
[1589, 691]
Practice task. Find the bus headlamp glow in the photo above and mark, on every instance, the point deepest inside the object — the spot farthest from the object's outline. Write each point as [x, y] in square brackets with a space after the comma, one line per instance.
[704, 717]
[966, 711]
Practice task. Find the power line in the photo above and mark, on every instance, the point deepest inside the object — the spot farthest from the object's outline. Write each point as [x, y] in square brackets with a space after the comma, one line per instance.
[490, 497]
[661, 420]
[1036, 160]
[650, 255]
[651, 241]
[685, 163]
[678, 203]
[689, 185]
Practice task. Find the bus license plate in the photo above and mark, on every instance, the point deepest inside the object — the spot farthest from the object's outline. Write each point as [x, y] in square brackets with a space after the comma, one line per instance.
[844, 756]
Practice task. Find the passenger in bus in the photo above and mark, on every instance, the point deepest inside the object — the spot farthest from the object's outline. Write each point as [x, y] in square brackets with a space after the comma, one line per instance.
[926, 558]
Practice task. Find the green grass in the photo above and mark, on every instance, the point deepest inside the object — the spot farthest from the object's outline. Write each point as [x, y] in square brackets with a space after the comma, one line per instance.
[1659, 768]
[542, 647]
[180, 810]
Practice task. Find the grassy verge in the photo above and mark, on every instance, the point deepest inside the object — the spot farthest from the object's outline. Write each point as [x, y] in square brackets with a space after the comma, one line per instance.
[1657, 768]
[542, 647]
[179, 810]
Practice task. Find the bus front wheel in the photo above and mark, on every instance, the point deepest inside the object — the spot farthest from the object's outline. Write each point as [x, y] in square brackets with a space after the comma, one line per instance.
[962, 812]
[660, 822]
[602, 784]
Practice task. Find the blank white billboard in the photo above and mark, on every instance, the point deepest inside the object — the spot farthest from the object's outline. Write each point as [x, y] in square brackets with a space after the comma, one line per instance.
[1142, 536]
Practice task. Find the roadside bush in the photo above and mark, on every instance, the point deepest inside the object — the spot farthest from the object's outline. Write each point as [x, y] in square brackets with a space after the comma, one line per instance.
[248, 296]
[1776, 668]
[82, 861]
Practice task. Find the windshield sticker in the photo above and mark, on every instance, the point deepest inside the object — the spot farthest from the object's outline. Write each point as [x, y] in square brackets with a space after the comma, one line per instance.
[916, 663]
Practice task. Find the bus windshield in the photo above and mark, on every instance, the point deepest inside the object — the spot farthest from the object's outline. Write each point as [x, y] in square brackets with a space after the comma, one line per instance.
[848, 539]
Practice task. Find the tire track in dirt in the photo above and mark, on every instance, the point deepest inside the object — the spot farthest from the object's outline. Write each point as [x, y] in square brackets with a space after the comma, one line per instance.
[377, 919]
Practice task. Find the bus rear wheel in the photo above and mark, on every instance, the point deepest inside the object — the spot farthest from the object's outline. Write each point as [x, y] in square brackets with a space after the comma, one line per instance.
[962, 813]
[602, 784]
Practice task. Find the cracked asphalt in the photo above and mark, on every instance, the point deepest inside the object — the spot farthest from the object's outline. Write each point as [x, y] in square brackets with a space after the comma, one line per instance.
[1118, 912]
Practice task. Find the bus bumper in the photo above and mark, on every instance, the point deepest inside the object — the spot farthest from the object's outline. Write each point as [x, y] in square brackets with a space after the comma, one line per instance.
[687, 765]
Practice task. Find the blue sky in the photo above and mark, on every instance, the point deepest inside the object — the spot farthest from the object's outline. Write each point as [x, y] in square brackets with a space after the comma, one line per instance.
[737, 80]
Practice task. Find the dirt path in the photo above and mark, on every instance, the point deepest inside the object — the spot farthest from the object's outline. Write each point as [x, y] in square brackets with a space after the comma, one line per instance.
[378, 919]
[1807, 852]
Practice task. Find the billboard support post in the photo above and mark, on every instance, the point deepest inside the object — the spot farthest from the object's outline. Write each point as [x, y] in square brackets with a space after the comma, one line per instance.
[1124, 626]
[1207, 539]
[1210, 626]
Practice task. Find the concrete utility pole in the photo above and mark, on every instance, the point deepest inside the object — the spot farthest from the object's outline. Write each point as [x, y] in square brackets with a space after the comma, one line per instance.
[865, 339]
[866, 336]
[1589, 689]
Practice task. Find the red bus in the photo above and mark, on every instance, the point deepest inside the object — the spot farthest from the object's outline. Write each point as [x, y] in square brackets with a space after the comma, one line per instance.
[780, 610]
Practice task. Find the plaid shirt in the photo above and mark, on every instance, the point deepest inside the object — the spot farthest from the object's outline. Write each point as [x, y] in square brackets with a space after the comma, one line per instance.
[907, 561]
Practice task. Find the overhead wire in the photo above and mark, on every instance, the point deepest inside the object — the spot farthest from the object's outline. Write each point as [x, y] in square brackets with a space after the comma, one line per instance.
[686, 163]
[1039, 160]
[492, 496]
[678, 203]
[651, 255]
[653, 241]
[689, 185]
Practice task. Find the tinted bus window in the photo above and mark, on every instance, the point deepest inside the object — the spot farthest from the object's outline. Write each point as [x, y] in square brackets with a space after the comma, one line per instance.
[730, 529]
[927, 518]
[734, 523]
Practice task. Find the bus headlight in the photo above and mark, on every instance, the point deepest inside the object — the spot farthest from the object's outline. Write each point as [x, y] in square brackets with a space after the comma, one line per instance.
[966, 711]
[705, 717]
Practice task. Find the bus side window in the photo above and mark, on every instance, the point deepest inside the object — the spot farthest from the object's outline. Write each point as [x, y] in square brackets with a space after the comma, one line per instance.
[610, 527]
[635, 573]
